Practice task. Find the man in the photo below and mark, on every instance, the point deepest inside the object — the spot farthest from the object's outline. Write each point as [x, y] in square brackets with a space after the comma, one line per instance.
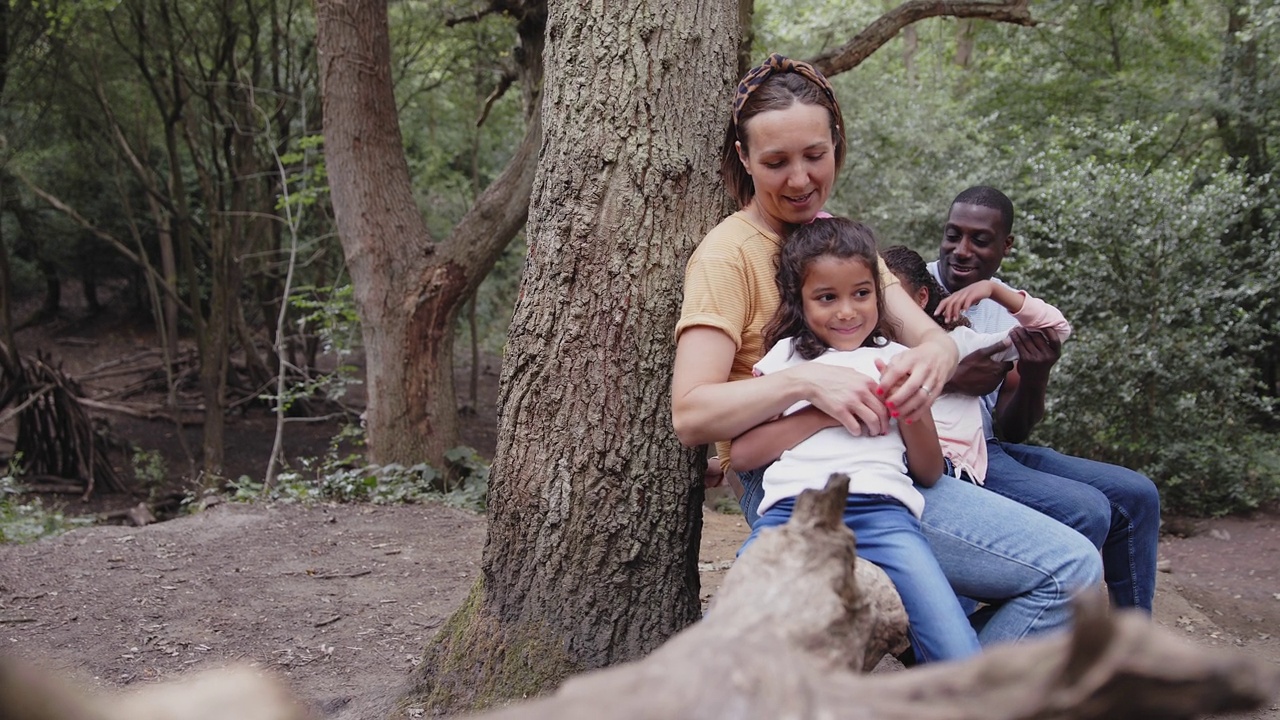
[1116, 508]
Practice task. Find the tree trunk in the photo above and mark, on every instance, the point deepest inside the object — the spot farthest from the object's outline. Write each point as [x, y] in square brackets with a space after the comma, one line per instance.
[594, 514]
[408, 289]
[401, 296]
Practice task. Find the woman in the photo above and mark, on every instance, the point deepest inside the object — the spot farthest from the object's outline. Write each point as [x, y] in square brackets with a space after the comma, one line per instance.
[783, 148]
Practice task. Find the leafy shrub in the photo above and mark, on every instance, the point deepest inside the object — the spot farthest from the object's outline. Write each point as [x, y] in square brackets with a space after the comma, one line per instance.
[1164, 299]
[22, 522]
[339, 477]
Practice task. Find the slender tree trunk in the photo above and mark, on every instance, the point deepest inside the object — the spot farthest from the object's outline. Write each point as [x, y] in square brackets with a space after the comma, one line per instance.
[408, 288]
[402, 297]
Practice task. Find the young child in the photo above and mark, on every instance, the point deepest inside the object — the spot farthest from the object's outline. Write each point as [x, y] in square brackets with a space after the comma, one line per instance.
[958, 418]
[830, 311]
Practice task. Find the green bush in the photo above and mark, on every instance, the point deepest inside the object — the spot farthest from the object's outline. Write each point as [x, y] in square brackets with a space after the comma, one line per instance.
[1148, 264]
[25, 521]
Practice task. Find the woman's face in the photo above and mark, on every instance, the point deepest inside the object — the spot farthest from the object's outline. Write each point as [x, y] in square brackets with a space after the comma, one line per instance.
[792, 163]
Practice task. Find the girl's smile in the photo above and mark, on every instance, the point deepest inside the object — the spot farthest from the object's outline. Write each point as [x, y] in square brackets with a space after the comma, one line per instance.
[840, 301]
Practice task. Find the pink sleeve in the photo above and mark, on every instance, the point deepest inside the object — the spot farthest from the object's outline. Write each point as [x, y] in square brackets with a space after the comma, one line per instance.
[1036, 313]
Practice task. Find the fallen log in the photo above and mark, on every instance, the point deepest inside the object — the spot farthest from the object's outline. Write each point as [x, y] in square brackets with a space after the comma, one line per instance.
[29, 693]
[793, 623]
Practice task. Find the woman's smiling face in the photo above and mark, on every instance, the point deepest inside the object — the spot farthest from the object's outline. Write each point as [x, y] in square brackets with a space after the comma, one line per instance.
[791, 162]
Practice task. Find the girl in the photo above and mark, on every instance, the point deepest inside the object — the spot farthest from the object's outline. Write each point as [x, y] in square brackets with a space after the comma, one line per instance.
[959, 417]
[830, 313]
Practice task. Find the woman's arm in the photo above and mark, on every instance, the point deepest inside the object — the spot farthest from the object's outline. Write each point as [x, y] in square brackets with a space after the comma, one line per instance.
[766, 442]
[924, 454]
[706, 407]
[929, 362]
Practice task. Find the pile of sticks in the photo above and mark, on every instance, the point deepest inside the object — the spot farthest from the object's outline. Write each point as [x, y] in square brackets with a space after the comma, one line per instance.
[56, 438]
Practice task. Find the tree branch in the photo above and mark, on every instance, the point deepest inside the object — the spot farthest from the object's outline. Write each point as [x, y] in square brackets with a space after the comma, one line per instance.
[477, 241]
[887, 26]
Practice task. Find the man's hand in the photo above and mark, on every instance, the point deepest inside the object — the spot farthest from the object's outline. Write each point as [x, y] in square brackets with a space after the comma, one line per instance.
[1038, 350]
[979, 372]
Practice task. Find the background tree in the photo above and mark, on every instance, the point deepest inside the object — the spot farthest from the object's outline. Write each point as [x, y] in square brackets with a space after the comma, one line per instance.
[409, 288]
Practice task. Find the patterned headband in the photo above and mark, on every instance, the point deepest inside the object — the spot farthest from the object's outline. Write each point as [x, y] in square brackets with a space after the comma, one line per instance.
[778, 65]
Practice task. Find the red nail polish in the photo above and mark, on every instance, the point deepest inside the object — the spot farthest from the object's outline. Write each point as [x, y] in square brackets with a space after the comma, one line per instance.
[895, 413]
[908, 421]
[880, 391]
[889, 405]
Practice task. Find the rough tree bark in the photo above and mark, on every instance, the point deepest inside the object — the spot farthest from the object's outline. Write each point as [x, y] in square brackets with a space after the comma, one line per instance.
[593, 514]
[409, 287]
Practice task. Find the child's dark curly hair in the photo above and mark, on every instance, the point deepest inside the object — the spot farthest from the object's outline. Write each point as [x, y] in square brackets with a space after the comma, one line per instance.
[838, 237]
[914, 274]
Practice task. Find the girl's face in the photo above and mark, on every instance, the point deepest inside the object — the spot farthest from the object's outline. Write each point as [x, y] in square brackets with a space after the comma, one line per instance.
[840, 301]
[792, 163]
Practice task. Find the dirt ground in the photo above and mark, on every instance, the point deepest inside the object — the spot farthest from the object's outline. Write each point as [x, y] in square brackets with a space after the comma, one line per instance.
[339, 600]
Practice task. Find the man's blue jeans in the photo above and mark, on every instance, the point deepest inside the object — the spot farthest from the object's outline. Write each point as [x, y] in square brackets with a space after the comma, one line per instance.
[1116, 508]
[1026, 565]
[889, 536]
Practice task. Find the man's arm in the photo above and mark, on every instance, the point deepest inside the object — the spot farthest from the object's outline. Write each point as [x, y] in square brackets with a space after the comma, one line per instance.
[1021, 402]
[979, 373]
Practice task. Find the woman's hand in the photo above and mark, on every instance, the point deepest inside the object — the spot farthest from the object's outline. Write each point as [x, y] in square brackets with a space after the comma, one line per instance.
[847, 395]
[912, 378]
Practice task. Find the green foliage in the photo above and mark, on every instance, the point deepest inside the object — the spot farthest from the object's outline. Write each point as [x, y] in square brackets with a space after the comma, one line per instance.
[340, 476]
[1162, 297]
[22, 522]
[330, 314]
[471, 483]
[150, 468]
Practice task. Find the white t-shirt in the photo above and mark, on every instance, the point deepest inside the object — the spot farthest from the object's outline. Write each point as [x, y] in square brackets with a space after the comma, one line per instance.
[875, 465]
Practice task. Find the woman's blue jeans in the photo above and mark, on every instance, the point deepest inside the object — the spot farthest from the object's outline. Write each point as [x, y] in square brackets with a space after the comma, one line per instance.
[1024, 565]
[1115, 507]
[889, 536]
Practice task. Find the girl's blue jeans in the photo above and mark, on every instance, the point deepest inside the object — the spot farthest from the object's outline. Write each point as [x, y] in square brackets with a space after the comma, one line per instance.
[1024, 565]
[889, 536]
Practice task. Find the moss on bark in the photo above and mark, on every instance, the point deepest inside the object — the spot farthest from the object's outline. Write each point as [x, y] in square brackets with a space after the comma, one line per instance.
[477, 662]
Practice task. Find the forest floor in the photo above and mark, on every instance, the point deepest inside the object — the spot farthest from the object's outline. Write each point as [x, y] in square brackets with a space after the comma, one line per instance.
[339, 599]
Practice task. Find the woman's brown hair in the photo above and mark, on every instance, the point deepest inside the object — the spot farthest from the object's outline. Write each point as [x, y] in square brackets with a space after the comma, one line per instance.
[776, 84]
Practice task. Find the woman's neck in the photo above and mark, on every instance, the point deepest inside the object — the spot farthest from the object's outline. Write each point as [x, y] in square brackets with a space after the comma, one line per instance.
[759, 219]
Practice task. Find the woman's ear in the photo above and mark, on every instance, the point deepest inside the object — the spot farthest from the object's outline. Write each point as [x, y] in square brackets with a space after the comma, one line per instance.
[742, 156]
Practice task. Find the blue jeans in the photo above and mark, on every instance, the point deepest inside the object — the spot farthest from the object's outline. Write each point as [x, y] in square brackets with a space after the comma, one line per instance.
[1025, 565]
[889, 536]
[1116, 508]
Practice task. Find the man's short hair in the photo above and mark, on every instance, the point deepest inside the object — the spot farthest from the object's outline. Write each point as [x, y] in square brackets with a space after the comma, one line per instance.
[987, 196]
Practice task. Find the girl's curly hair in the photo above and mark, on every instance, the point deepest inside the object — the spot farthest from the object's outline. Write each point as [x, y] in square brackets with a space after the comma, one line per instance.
[838, 237]
[914, 274]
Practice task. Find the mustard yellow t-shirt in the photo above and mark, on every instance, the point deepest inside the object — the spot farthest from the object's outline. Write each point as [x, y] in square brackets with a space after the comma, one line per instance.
[729, 285]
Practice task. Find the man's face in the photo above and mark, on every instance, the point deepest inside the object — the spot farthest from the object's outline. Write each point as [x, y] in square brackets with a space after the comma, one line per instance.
[974, 242]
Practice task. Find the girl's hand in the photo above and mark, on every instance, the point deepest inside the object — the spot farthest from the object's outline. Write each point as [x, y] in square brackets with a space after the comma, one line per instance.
[954, 305]
[847, 395]
[914, 377]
